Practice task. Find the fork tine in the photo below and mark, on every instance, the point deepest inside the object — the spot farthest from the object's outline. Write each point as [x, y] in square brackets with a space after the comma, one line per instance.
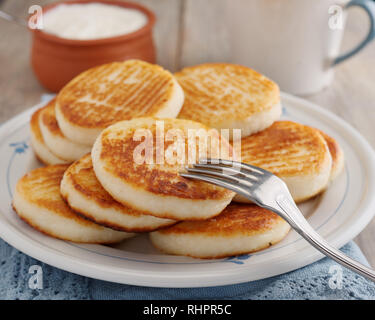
[218, 174]
[217, 181]
[245, 166]
[230, 171]
[217, 161]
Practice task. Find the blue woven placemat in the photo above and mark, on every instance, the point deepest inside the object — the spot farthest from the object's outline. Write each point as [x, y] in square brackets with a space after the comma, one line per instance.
[320, 280]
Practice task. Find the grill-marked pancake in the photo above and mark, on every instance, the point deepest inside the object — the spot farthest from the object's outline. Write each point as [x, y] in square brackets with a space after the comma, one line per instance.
[84, 193]
[38, 202]
[37, 142]
[337, 154]
[54, 138]
[116, 91]
[228, 96]
[296, 153]
[239, 229]
[157, 188]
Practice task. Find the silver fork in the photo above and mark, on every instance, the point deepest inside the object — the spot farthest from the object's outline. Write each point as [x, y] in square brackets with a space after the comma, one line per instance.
[270, 192]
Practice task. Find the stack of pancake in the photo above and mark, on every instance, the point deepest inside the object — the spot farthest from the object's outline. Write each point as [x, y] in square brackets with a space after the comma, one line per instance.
[66, 128]
[98, 187]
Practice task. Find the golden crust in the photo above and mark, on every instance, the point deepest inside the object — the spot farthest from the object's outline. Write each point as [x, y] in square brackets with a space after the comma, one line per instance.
[58, 236]
[246, 219]
[82, 177]
[41, 187]
[37, 135]
[334, 148]
[34, 125]
[239, 229]
[117, 149]
[35, 131]
[216, 91]
[117, 91]
[286, 149]
[221, 256]
[48, 118]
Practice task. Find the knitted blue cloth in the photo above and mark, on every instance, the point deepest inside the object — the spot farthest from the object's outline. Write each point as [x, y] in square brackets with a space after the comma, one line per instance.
[311, 282]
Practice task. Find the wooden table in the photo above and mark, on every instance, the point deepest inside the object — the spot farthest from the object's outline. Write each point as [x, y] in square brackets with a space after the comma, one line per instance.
[190, 32]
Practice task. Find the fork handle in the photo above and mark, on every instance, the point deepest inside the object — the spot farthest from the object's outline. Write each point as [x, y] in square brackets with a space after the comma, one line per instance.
[11, 18]
[290, 212]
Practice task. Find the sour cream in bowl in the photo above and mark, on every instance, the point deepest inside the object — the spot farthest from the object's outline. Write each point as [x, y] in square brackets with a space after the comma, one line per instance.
[92, 21]
[80, 34]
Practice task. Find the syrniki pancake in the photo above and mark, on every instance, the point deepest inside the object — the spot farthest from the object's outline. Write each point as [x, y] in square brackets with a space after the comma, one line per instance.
[337, 154]
[83, 192]
[54, 138]
[239, 229]
[228, 96]
[39, 146]
[112, 92]
[38, 202]
[152, 186]
[296, 153]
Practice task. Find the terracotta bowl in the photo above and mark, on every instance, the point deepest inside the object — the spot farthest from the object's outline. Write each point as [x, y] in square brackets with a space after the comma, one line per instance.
[56, 61]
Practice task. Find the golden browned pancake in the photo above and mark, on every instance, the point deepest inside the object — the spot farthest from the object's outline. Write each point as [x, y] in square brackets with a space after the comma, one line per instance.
[239, 229]
[37, 201]
[149, 184]
[37, 142]
[54, 138]
[337, 154]
[296, 153]
[84, 193]
[228, 96]
[112, 92]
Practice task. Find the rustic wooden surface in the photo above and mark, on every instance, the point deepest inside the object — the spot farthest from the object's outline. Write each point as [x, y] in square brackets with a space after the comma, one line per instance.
[190, 32]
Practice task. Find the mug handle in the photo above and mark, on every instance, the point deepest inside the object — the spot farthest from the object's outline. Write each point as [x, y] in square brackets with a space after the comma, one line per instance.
[369, 7]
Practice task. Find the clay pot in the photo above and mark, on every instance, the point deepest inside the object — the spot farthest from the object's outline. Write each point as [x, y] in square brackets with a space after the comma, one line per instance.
[56, 60]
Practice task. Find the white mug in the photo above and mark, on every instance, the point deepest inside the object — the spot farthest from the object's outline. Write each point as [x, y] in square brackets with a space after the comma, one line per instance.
[294, 42]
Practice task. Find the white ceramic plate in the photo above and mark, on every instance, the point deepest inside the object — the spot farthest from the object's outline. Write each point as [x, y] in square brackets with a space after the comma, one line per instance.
[339, 215]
